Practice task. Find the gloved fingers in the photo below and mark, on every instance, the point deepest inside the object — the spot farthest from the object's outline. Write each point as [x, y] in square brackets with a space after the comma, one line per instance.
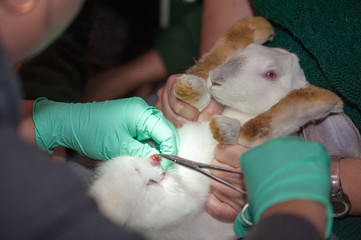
[228, 196]
[284, 160]
[143, 150]
[166, 165]
[153, 125]
[169, 144]
[278, 152]
[222, 206]
[290, 167]
[243, 222]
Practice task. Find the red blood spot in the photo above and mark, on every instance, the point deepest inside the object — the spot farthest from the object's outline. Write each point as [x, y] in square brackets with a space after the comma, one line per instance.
[155, 159]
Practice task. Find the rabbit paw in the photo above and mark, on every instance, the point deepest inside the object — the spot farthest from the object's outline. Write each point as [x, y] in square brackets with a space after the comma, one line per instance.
[248, 30]
[262, 30]
[192, 90]
[224, 129]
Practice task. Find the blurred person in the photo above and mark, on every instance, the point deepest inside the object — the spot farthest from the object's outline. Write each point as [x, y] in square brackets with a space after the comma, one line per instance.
[40, 199]
[181, 41]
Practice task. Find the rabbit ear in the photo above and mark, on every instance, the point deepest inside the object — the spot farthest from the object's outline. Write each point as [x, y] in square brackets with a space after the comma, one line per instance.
[337, 133]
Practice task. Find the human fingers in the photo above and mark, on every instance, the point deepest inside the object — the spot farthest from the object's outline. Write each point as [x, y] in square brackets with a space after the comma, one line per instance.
[151, 124]
[224, 203]
[162, 132]
[175, 110]
[232, 178]
[166, 137]
[213, 108]
[220, 210]
[163, 103]
[226, 195]
[229, 154]
[134, 147]
[159, 103]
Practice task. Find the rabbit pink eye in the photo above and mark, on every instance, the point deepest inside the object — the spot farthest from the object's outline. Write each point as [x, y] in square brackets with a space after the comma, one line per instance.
[270, 75]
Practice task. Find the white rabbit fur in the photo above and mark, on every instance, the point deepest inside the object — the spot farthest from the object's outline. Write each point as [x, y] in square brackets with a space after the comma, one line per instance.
[132, 192]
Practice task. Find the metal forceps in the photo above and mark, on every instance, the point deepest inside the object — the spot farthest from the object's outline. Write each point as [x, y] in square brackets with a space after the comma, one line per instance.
[197, 166]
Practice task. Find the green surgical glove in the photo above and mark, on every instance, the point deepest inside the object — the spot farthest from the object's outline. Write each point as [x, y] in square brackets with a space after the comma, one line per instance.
[104, 130]
[284, 169]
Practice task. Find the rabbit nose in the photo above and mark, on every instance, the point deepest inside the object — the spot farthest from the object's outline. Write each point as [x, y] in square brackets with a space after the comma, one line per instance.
[229, 69]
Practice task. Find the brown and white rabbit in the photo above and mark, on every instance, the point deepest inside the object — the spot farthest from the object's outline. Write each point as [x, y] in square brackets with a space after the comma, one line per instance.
[133, 192]
[250, 83]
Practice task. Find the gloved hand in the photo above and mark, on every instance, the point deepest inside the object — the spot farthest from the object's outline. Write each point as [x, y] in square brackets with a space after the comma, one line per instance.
[103, 130]
[284, 169]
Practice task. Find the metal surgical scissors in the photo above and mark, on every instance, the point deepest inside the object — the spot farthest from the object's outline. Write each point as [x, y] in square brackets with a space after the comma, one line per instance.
[197, 166]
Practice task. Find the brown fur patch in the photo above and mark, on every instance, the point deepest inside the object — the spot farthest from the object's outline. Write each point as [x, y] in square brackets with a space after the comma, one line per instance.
[186, 93]
[294, 105]
[238, 36]
[217, 135]
[306, 98]
[256, 128]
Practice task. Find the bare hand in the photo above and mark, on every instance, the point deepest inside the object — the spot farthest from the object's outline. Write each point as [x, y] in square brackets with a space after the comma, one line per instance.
[224, 203]
[179, 112]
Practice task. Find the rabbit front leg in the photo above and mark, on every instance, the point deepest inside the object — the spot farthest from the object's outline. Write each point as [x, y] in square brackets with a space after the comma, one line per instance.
[225, 129]
[238, 36]
[192, 90]
[295, 110]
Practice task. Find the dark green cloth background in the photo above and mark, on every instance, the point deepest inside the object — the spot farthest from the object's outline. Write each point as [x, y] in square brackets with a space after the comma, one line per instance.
[326, 35]
[179, 44]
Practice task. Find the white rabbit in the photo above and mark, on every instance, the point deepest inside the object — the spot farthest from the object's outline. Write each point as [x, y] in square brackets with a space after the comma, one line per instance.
[135, 193]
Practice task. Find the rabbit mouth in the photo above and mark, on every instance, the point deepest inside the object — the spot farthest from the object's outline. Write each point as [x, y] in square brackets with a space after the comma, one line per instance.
[152, 182]
[155, 162]
[156, 182]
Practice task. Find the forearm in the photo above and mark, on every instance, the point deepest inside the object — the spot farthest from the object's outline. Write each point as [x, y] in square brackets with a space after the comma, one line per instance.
[311, 211]
[148, 67]
[27, 127]
[224, 203]
[218, 16]
[350, 171]
[151, 65]
[273, 228]
[27, 130]
[121, 80]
